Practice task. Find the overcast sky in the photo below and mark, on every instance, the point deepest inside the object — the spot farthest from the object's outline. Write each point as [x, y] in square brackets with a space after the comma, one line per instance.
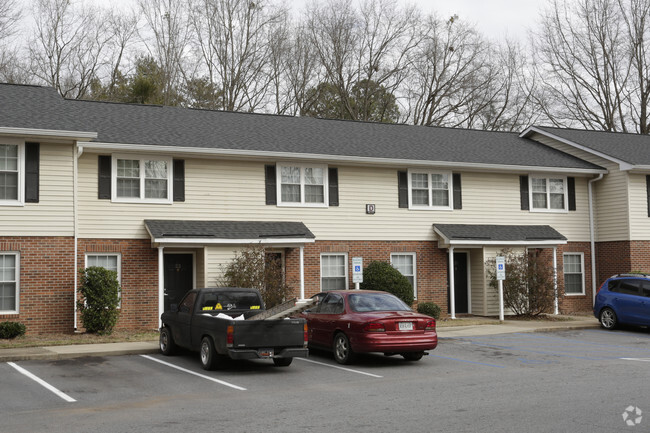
[494, 18]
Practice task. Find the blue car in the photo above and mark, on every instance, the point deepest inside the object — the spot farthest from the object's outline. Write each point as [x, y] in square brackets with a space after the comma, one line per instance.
[624, 299]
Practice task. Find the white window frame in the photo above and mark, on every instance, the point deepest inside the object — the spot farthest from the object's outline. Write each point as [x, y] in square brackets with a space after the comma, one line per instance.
[142, 199]
[302, 167]
[415, 270]
[565, 209]
[582, 267]
[16, 254]
[20, 200]
[345, 255]
[430, 206]
[119, 268]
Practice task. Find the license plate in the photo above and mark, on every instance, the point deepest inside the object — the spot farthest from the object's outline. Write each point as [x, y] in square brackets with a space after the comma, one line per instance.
[265, 353]
[405, 326]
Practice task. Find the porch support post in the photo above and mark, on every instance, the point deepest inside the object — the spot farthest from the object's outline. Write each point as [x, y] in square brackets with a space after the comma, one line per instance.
[302, 272]
[452, 285]
[557, 310]
[161, 285]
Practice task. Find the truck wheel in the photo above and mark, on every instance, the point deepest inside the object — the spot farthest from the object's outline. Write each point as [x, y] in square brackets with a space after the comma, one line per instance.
[167, 345]
[343, 353]
[282, 362]
[208, 354]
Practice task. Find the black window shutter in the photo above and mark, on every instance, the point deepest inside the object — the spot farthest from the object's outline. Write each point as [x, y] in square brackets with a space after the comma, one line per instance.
[179, 180]
[647, 188]
[333, 180]
[271, 191]
[458, 193]
[571, 187]
[104, 177]
[32, 164]
[523, 192]
[403, 189]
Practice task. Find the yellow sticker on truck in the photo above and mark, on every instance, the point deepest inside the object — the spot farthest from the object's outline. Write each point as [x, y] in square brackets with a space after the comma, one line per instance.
[218, 307]
[255, 307]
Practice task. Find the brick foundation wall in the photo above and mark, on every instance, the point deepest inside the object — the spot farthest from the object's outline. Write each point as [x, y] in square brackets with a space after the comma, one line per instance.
[612, 258]
[619, 257]
[431, 264]
[575, 303]
[46, 298]
[139, 279]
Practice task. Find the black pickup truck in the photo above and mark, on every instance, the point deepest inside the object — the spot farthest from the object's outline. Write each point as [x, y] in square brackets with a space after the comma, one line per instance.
[219, 323]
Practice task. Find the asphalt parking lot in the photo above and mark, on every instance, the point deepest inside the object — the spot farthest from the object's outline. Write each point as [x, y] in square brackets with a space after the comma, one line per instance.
[581, 380]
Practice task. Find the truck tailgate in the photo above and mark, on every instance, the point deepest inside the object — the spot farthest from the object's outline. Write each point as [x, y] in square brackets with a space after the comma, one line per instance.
[268, 333]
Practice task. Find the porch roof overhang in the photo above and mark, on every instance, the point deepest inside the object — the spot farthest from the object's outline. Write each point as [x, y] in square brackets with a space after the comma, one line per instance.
[479, 235]
[183, 233]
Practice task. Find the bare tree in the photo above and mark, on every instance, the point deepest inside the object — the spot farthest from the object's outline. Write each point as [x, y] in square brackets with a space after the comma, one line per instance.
[10, 15]
[584, 64]
[67, 51]
[507, 102]
[636, 20]
[365, 50]
[233, 41]
[166, 36]
[451, 76]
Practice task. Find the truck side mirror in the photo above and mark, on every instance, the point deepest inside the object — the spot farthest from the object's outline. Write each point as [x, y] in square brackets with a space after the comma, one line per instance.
[174, 308]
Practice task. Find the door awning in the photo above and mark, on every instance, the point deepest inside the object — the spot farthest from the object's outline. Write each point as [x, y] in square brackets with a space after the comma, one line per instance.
[478, 235]
[186, 233]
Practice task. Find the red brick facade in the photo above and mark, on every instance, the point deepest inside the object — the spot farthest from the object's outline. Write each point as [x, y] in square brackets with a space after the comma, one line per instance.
[622, 256]
[431, 264]
[46, 298]
[47, 274]
[139, 279]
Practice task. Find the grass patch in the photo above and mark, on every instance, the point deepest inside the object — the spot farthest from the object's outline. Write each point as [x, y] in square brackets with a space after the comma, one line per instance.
[78, 338]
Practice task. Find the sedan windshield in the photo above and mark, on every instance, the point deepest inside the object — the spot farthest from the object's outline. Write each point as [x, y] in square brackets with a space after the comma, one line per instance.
[364, 302]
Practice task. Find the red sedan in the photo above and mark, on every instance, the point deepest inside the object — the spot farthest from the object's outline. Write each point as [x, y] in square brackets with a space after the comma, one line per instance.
[348, 322]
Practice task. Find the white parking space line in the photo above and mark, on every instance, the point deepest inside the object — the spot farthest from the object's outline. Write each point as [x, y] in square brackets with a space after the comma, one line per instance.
[41, 382]
[636, 359]
[221, 382]
[340, 368]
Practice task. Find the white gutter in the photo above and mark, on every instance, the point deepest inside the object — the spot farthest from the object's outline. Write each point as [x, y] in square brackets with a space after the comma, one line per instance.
[78, 151]
[266, 155]
[49, 133]
[592, 237]
[623, 164]
[211, 241]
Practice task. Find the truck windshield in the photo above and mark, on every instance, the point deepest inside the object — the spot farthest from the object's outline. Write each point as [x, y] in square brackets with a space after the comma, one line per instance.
[217, 301]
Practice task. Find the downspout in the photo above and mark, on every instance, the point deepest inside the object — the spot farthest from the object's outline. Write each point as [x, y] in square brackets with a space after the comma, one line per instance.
[592, 238]
[75, 179]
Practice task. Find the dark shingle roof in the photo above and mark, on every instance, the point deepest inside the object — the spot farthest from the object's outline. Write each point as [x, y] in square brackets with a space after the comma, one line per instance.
[630, 148]
[160, 229]
[506, 233]
[41, 108]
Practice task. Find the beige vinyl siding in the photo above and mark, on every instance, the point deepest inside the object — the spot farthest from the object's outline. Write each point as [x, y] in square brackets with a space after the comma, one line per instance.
[491, 295]
[53, 215]
[610, 194]
[216, 259]
[639, 220]
[234, 190]
[477, 281]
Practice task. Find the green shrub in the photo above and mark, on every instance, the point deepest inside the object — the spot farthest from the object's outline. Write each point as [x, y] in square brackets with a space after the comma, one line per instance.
[100, 292]
[430, 309]
[11, 330]
[382, 276]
